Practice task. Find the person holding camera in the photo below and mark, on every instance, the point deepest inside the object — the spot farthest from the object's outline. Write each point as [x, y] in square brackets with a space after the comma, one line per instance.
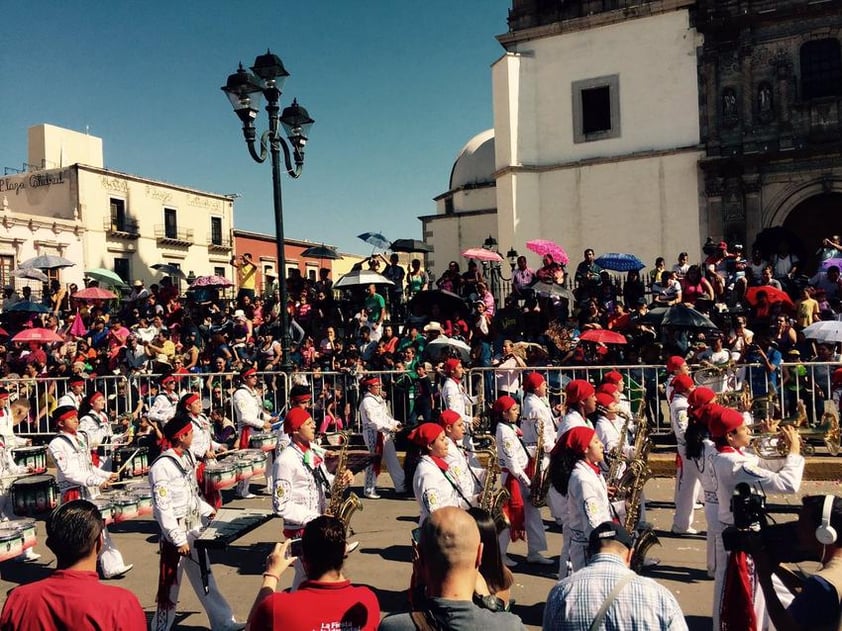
[327, 599]
[816, 602]
[732, 466]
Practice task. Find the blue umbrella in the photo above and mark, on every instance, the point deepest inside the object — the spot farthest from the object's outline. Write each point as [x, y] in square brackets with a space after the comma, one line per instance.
[375, 239]
[620, 262]
[27, 306]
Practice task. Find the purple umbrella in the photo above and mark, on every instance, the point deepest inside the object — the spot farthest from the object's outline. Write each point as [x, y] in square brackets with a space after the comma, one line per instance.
[212, 281]
[831, 262]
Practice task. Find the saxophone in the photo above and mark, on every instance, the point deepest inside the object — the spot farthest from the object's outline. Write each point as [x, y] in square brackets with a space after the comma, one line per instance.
[539, 483]
[492, 499]
[616, 456]
[634, 479]
[339, 506]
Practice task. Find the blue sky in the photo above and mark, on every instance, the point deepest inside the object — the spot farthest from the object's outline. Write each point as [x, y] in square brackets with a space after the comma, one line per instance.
[396, 89]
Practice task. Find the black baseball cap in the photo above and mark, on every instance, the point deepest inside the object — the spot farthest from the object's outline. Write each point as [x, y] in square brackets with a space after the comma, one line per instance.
[609, 530]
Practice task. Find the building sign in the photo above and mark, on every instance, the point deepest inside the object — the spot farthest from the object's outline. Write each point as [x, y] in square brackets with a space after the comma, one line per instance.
[35, 180]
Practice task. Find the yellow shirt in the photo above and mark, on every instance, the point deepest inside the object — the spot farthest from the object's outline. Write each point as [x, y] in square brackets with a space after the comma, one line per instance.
[247, 276]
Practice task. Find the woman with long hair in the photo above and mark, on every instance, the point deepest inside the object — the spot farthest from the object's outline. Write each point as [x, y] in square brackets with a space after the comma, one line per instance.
[493, 578]
[701, 451]
[575, 473]
[433, 484]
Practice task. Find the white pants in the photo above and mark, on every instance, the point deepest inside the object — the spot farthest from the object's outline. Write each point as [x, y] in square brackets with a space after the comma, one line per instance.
[243, 485]
[557, 504]
[110, 558]
[220, 614]
[536, 538]
[389, 459]
[714, 530]
[687, 487]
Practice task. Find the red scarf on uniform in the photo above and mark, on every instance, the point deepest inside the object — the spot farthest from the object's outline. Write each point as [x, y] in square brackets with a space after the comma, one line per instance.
[514, 508]
[736, 613]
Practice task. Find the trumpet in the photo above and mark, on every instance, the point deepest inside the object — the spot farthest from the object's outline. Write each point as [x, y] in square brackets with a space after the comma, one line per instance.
[773, 445]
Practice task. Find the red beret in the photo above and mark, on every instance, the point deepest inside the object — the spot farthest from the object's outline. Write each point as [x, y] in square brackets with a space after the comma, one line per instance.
[704, 413]
[425, 434]
[682, 384]
[612, 377]
[371, 381]
[295, 418]
[503, 404]
[725, 420]
[448, 417]
[578, 439]
[674, 363]
[700, 396]
[533, 381]
[578, 390]
[608, 388]
[836, 377]
[604, 399]
[450, 366]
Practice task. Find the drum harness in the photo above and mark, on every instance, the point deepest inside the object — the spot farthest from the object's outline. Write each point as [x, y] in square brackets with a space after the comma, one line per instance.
[192, 517]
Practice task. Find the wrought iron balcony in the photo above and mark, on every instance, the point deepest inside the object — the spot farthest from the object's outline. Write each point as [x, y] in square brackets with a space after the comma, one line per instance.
[219, 243]
[121, 229]
[174, 236]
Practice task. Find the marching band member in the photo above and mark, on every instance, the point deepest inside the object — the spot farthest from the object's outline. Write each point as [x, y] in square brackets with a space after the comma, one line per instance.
[579, 402]
[732, 466]
[9, 419]
[180, 514]
[73, 397]
[580, 480]
[686, 481]
[616, 378]
[299, 397]
[513, 458]
[165, 403]
[455, 397]
[8, 470]
[536, 408]
[301, 481]
[463, 464]
[78, 478]
[203, 446]
[378, 431]
[248, 407]
[700, 454]
[434, 484]
[675, 366]
[96, 426]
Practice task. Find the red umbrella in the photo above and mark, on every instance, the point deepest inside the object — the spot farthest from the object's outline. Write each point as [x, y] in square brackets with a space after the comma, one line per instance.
[94, 293]
[45, 336]
[4, 332]
[773, 295]
[543, 247]
[481, 254]
[602, 336]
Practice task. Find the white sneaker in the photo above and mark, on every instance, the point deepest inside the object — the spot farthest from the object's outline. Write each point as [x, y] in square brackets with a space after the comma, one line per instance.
[121, 572]
[247, 496]
[698, 506]
[350, 547]
[538, 558]
[651, 562]
[28, 557]
[689, 531]
[372, 495]
[508, 561]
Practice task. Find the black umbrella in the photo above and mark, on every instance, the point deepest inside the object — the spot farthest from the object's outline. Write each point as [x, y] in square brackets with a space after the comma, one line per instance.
[410, 245]
[682, 316]
[321, 252]
[447, 302]
[169, 270]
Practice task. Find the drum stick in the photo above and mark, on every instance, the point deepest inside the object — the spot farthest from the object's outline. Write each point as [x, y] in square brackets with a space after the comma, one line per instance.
[127, 462]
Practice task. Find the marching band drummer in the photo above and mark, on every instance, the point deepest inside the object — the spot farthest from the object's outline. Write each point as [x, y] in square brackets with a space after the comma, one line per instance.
[250, 416]
[11, 416]
[513, 457]
[96, 426]
[180, 514]
[203, 446]
[434, 484]
[9, 469]
[301, 481]
[466, 469]
[73, 397]
[378, 431]
[455, 397]
[165, 403]
[78, 478]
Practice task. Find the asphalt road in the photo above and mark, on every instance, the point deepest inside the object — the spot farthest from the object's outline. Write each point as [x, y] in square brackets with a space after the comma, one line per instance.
[383, 558]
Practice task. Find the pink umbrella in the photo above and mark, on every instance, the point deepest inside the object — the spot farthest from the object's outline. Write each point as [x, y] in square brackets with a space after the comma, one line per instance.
[94, 293]
[44, 336]
[212, 281]
[544, 247]
[481, 254]
[78, 328]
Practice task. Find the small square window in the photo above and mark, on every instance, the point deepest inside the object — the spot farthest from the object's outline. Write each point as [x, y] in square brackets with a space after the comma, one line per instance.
[596, 109]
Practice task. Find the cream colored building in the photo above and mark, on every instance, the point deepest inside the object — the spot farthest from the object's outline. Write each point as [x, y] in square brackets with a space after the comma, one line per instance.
[69, 204]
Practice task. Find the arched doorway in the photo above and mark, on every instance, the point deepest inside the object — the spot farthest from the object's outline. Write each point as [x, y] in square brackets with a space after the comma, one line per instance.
[814, 219]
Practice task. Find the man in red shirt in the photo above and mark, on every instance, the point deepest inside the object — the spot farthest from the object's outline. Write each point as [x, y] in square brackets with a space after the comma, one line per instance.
[72, 597]
[326, 600]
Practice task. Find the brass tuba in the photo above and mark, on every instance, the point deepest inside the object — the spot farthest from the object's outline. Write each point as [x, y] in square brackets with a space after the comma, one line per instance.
[339, 506]
[492, 499]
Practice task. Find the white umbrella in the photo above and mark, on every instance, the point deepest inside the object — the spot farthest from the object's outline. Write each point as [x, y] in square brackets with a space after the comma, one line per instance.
[361, 277]
[31, 273]
[824, 331]
[444, 346]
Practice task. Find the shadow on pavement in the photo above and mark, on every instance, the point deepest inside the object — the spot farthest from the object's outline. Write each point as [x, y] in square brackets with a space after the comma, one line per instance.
[392, 553]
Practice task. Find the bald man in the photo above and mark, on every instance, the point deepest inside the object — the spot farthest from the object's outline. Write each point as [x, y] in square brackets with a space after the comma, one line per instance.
[448, 555]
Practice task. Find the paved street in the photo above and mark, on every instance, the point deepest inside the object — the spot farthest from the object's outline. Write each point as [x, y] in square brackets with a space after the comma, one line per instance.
[382, 560]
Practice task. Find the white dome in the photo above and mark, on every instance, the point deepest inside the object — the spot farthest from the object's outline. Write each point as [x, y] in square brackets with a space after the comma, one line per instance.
[475, 163]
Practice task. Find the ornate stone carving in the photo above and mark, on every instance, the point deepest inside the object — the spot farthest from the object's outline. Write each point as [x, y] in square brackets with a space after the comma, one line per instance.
[765, 102]
[713, 186]
[730, 111]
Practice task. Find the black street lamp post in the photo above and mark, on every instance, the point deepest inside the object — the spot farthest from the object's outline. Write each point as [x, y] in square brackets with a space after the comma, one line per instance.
[245, 91]
[495, 274]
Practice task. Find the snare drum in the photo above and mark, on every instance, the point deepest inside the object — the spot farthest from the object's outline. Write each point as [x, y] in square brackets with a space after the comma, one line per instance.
[106, 508]
[11, 543]
[34, 495]
[26, 527]
[258, 461]
[124, 506]
[263, 442]
[143, 494]
[139, 465]
[220, 475]
[33, 458]
[245, 468]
